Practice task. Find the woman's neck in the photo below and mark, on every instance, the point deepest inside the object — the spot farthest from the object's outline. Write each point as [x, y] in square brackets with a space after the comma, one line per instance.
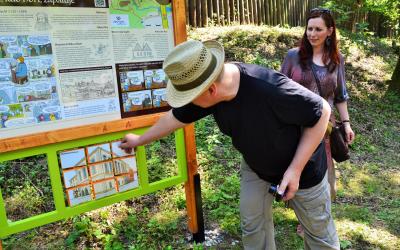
[318, 52]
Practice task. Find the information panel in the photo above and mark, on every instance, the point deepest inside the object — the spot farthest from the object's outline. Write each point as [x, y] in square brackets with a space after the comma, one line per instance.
[66, 63]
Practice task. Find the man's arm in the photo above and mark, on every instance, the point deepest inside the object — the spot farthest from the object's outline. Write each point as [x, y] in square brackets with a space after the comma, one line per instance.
[309, 141]
[163, 127]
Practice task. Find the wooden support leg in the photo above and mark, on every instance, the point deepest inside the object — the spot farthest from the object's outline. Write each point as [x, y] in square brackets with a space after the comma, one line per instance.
[1, 245]
[192, 188]
[199, 236]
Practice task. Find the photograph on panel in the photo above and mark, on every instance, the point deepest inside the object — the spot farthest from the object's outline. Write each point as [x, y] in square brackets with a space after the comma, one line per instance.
[98, 153]
[104, 188]
[132, 80]
[101, 171]
[79, 195]
[76, 177]
[125, 166]
[73, 158]
[117, 151]
[138, 100]
[127, 182]
[159, 79]
[160, 98]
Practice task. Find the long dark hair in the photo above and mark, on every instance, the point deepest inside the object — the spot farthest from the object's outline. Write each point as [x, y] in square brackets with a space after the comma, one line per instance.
[331, 52]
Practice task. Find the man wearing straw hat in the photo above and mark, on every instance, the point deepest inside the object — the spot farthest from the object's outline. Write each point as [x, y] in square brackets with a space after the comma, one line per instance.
[275, 123]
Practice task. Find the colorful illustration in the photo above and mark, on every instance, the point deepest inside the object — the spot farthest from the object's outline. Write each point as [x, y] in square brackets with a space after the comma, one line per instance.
[19, 72]
[11, 115]
[45, 111]
[139, 14]
[26, 77]
[104, 188]
[79, 195]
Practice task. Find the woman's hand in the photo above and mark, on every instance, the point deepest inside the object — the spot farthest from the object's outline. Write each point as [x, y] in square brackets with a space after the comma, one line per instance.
[349, 133]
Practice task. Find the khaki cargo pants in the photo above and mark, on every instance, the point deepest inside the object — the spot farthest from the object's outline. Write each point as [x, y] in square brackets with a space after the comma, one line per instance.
[312, 207]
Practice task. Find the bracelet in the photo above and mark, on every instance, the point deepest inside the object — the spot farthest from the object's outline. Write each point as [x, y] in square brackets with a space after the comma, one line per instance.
[346, 121]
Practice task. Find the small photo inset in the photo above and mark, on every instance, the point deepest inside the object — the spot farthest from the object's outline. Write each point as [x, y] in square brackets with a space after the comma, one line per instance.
[97, 153]
[133, 81]
[104, 188]
[125, 166]
[160, 98]
[117, 151]
[101, 171]
[73, 158]
[148, 79]
[159, 79]
[138, 100]
[127, 182]
[79, 195]
[75, 177]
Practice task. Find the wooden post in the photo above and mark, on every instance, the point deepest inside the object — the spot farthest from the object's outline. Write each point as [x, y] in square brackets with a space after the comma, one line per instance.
[190, 143]
[190, 184]
[1, 245]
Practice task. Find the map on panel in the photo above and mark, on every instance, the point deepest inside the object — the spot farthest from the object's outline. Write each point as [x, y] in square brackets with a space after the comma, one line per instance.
[140, 14]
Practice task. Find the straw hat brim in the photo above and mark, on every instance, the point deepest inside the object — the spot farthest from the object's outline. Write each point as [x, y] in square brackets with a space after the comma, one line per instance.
[176, 98]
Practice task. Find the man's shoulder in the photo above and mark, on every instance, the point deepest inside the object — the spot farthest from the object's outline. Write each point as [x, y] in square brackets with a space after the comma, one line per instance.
[259, 73]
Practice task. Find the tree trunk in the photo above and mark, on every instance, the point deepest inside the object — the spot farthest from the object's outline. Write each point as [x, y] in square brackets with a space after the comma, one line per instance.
[198, 13]
[216, 11]
[204, 13]
[394, 83]
[192, 13]
[226, 11]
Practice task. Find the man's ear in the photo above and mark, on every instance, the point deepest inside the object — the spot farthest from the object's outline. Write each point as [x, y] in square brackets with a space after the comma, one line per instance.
[212, 90]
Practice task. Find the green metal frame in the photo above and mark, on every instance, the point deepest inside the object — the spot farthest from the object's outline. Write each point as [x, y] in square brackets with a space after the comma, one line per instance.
[62, 211]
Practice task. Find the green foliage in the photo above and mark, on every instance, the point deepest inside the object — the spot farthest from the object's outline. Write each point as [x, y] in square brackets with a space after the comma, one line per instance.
[366, 210]
[161, 157]
[26, 189]
[24, 203]
[346, 9]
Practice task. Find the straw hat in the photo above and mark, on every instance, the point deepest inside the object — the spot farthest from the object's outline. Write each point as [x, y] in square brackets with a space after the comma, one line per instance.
[191, 68]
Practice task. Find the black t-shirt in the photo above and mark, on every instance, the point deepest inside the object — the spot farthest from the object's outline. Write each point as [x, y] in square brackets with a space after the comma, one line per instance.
[265, 121]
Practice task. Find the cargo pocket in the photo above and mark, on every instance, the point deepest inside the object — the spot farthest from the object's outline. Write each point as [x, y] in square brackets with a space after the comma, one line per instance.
[317, 213]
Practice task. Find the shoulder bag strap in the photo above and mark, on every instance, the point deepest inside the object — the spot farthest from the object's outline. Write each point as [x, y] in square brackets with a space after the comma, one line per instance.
[316, 79]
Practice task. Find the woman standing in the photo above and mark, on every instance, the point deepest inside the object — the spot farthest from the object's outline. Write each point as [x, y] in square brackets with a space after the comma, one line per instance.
[318, 65]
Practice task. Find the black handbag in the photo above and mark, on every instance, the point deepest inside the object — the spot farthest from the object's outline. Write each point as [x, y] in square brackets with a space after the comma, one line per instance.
[338, 142]
[337, 138]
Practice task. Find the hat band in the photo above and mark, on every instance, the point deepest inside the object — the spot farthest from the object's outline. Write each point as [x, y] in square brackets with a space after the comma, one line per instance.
[201, 79]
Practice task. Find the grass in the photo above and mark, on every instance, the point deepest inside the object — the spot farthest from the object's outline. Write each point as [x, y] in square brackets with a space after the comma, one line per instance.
[367, 209]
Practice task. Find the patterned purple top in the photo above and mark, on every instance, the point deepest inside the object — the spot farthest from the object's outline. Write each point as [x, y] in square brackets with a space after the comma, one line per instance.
[333, 85]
